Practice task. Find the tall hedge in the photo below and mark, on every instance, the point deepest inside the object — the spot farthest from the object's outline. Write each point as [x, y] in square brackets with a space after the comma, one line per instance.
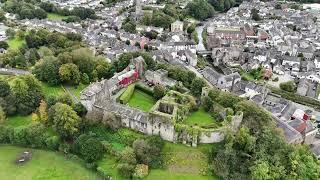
[125, 97]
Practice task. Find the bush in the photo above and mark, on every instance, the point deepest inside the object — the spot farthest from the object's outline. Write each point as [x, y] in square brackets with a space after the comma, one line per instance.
[141, 171]
[89, 148]
[5, 134]
[126, 96]
[125, 169]
[289, 86]
[52, 142]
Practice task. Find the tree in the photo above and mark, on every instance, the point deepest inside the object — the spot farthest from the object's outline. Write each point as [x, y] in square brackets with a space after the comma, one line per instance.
[197, 85]
[200, 9]
[69, 73]
[4, 45]
[4, 88]
[10, 33]
[80, 109]
[47, 70]
[146, 153]
[254, 14]
[65, 99]
[66, 122]
[2, 16]
[27, 92]
[43, 112]
[84, 59]
[104, 68]
[89, 148]
[2, 116]
[159, 91]
[278, 6]
[127, 162]
[289, 86]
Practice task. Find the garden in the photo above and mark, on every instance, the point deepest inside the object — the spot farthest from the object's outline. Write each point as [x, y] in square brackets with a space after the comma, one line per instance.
[138, 96]
[199, 118]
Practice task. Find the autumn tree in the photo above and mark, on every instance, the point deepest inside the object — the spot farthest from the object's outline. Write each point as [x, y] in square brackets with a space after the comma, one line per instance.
[65, 120]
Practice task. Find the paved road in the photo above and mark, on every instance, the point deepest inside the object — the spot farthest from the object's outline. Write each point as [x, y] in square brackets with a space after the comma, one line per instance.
[13, 71]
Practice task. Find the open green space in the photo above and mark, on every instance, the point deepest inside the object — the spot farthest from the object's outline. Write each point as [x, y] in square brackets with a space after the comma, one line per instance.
[17, 121]
[56, 17]
[183, 162]
[76, 90]
[15, 43]
[200, 118]
[141, 100]
[43, 165]
[52, 90]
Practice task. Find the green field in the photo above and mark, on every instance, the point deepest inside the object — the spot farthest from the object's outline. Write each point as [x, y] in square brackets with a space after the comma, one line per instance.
[15, 43]
[52, 90]
[200, 118]
[56, 17]
[17, 121]
[183, 162]
[141, 100]
[43, 165]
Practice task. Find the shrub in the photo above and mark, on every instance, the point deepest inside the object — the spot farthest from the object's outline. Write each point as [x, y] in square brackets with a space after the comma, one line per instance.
[52, 142]
[5, 134]
[289, 86]
[126, 96]
[141, 171]
[125, 169]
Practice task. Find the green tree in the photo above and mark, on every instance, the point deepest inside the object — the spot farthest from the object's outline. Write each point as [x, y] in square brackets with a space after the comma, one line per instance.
[200, 9]
[2, 116]
[66, 122]
[47, 70]
[4, 88]
[159, 91]
[197, 85]
[289, 86]
[69, 73]
[89, 148]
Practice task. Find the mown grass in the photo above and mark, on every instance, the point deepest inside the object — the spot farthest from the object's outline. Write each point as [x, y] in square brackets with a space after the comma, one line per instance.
[17, 121]
[200, 118]
[49, 90]
[141, 100]
[43, 165]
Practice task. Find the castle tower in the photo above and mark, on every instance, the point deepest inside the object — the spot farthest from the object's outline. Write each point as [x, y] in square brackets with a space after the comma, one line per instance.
[139, 12]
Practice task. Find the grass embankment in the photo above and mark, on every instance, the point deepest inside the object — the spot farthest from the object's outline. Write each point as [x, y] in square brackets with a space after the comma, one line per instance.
[17, 121]
[200, 118]
[43, 165]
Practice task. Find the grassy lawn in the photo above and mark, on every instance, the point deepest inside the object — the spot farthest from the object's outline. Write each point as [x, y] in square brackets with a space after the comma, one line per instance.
[52, 90]
[16, 43]
[183, 162]
[43, 165]
[16, 121]
[109, 164]
[77, 90]
[141, 100]
[200, 118]
[56, 17]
